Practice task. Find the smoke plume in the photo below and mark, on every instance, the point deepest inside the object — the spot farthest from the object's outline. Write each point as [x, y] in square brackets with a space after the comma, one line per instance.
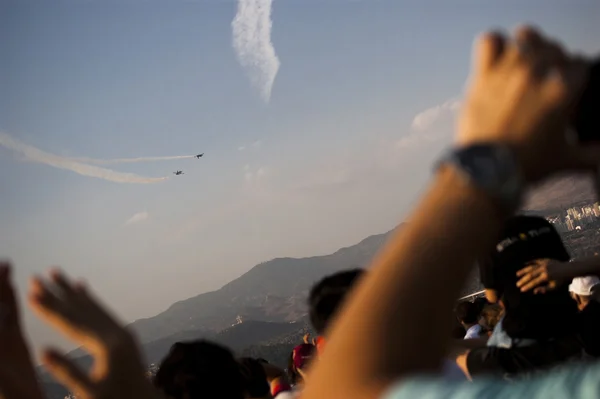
[130, 160]
[252, 43]
[33, 154]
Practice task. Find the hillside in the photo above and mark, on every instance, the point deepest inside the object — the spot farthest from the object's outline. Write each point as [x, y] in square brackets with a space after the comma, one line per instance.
[237, 338]
[276, 291]
[273, 291]
[271, 297]
[561, 193]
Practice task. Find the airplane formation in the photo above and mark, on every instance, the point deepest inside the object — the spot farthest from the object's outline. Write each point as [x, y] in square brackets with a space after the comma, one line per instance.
[180, 172]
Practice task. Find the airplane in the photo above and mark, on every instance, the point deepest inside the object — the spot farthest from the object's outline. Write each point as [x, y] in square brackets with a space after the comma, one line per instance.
[199, 155]
[178, 173]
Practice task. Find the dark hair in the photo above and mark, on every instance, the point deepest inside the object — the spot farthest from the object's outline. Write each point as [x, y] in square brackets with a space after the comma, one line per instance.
[481, 302]
[199, 369]
[255, 378]
[327, 295]
[491, 315]
[467, 312]
[522, 242]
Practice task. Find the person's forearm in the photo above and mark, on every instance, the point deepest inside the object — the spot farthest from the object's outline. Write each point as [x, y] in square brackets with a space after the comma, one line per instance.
[392, 323]
[583, 267]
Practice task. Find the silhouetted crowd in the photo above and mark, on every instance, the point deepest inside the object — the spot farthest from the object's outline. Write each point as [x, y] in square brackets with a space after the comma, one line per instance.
[395, 330]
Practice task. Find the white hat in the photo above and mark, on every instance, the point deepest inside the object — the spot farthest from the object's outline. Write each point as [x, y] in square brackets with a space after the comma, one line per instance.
[584, 285]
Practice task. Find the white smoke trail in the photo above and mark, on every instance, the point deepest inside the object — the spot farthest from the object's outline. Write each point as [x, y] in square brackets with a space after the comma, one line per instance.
[130, 160]
[252, 43]
[36, 155]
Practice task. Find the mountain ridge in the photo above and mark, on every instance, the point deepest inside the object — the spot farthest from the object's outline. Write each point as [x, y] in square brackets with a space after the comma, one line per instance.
[270, 298]
[274, 291]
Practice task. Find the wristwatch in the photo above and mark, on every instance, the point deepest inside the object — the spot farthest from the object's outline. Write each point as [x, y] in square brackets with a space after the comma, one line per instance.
[493, 168]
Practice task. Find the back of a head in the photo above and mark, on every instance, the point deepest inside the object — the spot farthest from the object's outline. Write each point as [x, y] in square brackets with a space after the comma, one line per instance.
[481, 302]
[199, 369]
[468, 312]
[255, 377]
[527, 238]
[491, 315]
[327, 296]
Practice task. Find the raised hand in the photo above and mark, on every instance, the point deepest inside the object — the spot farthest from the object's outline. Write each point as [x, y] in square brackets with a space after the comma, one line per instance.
[540, 276]
[306, 338]
[17, 374]
[521, 94]
[117, 371]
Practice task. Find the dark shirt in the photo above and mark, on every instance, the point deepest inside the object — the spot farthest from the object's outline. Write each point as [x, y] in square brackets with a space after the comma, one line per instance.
[528, 315]
[590, 328]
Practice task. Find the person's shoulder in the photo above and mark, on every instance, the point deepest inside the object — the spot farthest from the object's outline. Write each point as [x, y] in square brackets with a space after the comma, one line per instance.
[435, 388]
[575, 382]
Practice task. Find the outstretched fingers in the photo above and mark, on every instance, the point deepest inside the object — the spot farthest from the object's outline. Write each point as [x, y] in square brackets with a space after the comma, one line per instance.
[60, 309]
[65, 371]
[488, 50]
[68, 307]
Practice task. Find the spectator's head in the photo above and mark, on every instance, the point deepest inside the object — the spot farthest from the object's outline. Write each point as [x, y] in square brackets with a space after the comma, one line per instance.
[467, 313]
[255, 377]
[200, 369]
[490, 316]
[528, 238]
[583, 290]
[327, 296]
[480, 302]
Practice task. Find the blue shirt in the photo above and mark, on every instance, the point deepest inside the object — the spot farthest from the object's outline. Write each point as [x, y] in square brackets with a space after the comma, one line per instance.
[572, 382]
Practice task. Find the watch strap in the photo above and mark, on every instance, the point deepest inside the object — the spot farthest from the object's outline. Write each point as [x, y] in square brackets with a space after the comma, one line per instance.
[493, 168]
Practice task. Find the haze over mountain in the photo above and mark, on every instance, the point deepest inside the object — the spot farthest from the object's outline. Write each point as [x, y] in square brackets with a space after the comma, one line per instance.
[263, 313]
[561, 192]
[275, 291]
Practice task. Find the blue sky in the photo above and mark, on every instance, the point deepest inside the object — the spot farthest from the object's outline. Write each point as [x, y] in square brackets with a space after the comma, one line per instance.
[330, 159]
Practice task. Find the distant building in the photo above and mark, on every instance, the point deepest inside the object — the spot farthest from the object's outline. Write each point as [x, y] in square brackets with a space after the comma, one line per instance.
[569, 223]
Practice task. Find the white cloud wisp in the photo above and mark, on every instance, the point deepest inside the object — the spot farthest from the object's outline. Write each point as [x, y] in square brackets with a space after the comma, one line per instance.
[33, 154]
[137, 218]
[251, 28]
[431, 125]
[426, 119]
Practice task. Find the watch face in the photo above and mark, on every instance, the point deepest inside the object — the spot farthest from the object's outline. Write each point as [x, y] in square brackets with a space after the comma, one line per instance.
[493, 168]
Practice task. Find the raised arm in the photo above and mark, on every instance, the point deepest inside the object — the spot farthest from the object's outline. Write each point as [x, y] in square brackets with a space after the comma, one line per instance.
[518, 98]
[545, 274]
